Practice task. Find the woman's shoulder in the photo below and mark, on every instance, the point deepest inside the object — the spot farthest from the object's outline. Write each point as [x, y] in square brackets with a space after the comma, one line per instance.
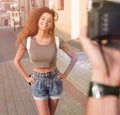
[60, 40]
[26, 40]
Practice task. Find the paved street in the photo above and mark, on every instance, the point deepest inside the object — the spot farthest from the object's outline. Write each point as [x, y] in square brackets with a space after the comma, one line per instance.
[15, 93]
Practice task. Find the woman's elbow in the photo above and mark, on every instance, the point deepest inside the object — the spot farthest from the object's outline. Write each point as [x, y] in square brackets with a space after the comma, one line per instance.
[16, 62]
[75, 58]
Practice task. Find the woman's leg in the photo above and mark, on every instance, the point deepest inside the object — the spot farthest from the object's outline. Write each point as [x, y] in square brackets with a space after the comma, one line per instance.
[43, 107]
[53, 105]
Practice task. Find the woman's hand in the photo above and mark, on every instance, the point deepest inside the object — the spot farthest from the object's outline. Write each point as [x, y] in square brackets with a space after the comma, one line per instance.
[30, 79]
[61, 76]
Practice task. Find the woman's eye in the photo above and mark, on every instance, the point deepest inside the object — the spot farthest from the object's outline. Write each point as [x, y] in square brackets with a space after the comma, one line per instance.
[48, 20]
[42, 18]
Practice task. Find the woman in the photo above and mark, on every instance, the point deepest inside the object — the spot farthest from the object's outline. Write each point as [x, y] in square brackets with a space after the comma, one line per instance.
[105, 80]
[45, 80]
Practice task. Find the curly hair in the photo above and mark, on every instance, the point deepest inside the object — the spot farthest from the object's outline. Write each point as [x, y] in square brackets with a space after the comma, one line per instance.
[31, 27]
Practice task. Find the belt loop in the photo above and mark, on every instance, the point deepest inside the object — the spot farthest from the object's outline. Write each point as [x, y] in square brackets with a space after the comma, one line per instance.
[55, 70]
[53, 73]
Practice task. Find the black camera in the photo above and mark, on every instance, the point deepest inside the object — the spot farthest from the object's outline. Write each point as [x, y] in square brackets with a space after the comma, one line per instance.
[104, 20]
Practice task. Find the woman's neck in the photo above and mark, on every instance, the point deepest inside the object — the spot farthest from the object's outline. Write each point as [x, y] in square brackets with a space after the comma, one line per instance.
[42, 35]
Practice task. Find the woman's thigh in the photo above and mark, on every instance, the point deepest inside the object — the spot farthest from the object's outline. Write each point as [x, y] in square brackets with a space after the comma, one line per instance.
[43, 107]
[53, 105]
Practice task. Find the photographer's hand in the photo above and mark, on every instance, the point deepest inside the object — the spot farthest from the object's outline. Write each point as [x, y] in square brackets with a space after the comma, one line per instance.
[91, 48]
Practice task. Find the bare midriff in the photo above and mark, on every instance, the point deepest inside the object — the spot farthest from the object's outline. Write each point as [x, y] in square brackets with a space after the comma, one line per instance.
[44, 70]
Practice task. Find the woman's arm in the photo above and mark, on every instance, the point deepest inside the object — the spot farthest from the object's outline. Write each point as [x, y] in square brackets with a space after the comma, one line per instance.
[20, 52]
[69, 51]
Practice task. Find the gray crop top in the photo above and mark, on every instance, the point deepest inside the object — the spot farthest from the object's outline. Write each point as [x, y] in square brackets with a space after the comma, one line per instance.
[43, 56]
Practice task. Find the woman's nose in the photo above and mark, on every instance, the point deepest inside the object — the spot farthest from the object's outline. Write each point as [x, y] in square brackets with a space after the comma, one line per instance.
[45, 21]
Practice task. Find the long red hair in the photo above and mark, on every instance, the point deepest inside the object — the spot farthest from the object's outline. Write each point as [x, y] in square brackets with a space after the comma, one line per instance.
[31, 26]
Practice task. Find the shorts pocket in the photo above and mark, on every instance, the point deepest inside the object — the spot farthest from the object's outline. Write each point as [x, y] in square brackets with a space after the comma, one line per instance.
[56, 87]
[37, 88]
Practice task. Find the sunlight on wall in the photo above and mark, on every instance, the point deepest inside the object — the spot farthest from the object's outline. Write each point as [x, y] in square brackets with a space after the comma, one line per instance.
[75, 18]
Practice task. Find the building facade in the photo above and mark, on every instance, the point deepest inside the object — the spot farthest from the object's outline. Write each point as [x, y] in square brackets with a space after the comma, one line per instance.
[72, 16]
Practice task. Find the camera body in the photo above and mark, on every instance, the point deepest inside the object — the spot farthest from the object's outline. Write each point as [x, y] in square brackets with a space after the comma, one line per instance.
[104, 21]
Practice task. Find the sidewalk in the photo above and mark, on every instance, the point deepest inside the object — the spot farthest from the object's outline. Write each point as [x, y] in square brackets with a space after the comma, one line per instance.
[15, 96]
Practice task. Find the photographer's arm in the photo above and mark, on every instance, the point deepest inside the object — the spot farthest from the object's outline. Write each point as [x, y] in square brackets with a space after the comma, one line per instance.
[91, 48]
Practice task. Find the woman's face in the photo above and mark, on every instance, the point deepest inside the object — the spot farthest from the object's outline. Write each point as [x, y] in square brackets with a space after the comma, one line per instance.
[45, 21]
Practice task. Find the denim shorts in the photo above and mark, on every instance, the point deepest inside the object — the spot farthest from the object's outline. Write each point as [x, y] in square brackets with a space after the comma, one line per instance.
[46, 85]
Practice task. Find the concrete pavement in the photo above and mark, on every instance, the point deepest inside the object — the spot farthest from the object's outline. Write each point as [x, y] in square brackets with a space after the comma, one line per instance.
[15, 96]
